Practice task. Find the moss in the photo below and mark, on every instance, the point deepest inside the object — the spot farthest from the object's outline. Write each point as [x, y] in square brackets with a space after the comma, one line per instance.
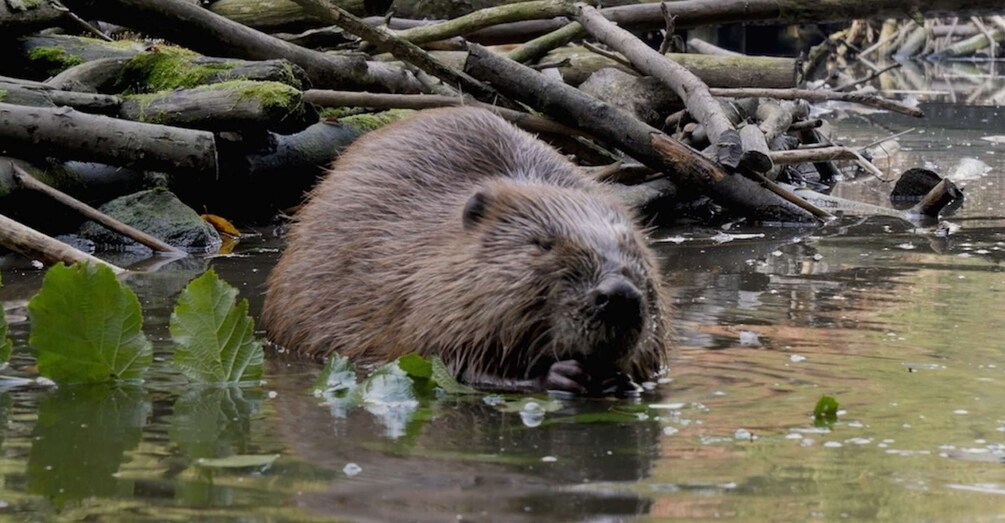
[269, 94]
[56, 60]
[144, 101]
[290, 77]
[3, 94]
[372, 121]
[167, 68]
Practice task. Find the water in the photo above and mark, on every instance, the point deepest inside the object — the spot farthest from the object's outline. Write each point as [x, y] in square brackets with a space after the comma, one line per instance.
[903, 327]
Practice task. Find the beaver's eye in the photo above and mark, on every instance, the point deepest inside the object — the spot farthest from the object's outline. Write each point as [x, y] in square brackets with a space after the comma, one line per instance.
[543, 244]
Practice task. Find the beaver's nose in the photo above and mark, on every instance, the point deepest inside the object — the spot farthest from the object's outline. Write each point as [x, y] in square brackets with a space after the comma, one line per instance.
[618, 302]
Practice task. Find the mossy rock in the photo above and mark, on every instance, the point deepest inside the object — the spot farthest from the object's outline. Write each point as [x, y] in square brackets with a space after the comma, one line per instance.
[157, 212]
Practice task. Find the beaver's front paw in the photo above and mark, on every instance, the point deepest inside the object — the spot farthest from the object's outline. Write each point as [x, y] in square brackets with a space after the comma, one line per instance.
[567, 376]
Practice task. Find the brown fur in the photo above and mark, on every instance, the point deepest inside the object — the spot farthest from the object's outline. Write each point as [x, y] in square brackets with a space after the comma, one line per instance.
[395, 253]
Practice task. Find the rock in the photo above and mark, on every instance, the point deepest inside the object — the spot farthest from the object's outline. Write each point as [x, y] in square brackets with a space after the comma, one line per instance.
[157, 212]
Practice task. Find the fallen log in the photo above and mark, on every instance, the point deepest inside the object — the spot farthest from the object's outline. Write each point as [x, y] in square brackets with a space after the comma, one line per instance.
[820, 96]
[66, 133]
[44, 96]
[576, 64]
[688, 169]
[208, 33]
[275, 15]
[230, 106]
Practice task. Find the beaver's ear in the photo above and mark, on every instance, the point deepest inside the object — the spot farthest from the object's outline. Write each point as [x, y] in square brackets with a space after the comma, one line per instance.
[476, 209]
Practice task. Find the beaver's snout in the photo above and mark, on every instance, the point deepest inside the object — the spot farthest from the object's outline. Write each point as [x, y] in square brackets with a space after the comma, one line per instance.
[618, 307]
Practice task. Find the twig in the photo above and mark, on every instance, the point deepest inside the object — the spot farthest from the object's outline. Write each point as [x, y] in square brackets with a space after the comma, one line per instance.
[483, 18]
[851, 85]
[541, 45]
[23, 239]
[28, 181]
[401, 49]
[668, 34]
[595, 49]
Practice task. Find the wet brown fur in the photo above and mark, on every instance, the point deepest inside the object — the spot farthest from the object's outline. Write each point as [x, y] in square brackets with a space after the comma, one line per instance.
[381, 262]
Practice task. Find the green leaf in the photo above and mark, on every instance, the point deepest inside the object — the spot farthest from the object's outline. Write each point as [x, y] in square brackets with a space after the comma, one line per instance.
[338, 375]
[825, 413]
[215, 334]
[86, 327]
[388, 385]
[416, 366]
[6, 347]
[238, 461]
[445, 379]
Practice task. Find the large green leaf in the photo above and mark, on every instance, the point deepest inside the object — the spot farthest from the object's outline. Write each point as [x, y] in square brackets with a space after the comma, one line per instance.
[86, 327]
[215, 335]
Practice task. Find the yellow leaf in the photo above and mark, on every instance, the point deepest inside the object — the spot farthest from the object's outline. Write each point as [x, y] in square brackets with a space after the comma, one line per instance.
[222, 225]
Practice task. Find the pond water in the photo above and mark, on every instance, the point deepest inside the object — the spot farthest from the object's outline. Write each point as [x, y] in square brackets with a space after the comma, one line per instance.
[903, 326]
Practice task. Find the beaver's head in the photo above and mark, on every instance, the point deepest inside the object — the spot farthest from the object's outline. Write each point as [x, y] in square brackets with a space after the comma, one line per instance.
[572, 275]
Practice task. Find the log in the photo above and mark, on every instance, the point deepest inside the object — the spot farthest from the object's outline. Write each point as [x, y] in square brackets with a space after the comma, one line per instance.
[230, 106]
[275, 15]
[697, 13]
[28, 181]
[19, 18]
[483, 18]
[208, 33]
[969, 46]
[66, 133]
[44, 96]
[724, 138]
[756, 155]
[27, 241]
[577, 64]
[700, 46]
[688, 169]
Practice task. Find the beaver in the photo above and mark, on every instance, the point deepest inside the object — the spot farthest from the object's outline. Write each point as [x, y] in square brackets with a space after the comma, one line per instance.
[453, 233]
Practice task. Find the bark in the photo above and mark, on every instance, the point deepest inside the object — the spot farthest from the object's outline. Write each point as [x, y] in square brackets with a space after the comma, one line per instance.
[233, 106]
[688, 169]
[756, 155]
[65, 133]
[211, 34]
[27, 241]
[26, 180]
[577, 64]
[699, 102]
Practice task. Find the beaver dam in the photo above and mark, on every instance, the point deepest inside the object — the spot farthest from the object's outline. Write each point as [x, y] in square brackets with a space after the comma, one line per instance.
[656, 267]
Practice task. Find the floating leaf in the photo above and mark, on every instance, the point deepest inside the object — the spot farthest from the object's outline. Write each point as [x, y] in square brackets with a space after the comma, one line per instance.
[239, 461]
[825, 413]
[215, 334]
[6, 347]
[416, 366]
[338, 375]
[388, 385]
[445, 379]
[86, 326]
[221, 224]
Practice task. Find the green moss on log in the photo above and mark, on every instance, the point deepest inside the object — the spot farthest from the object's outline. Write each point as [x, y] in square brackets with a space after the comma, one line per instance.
[168, 68]
[372, 121]
[54, 59]
[268, 94]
